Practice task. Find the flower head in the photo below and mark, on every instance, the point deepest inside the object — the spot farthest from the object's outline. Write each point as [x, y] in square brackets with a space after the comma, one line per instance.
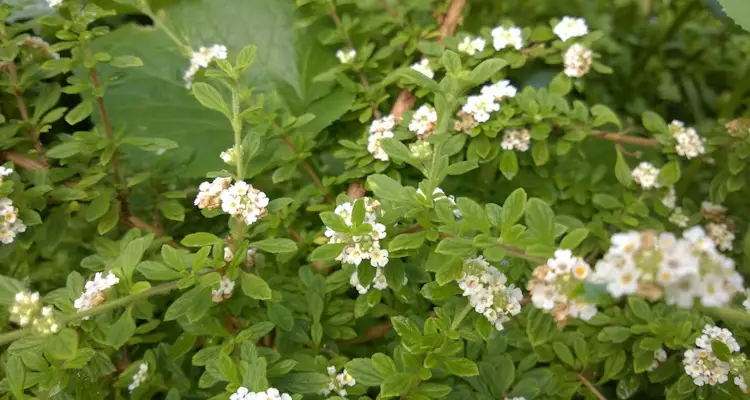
[516, 139]
[93, 294]
[488, 291]
[202, 59]
[379, 129]
[346, 56]
[423, 67]
[503, 37]
[225, 290]
[139, 377]
[646, 175]
[471, 46]
[423, 122]
[687, 141]
[577, 60]
[570, 27]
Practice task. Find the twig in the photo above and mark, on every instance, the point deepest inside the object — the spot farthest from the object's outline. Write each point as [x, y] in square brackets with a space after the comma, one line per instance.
[448, 25]
[618, 138]
[375, 332]
[590, 387]
[121, 193]
[22, 160]
[307, 167]
[295, 235]
[362, 76]
[33, 133]
[388, 8]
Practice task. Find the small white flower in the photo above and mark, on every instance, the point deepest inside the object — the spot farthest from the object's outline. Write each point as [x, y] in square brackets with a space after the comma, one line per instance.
[25, 307]
[679, 218]
[646, 175]
[379, 129]
[689, 143]
[346, 56]
[553, 287]
[139, 377]
[500, 90]
[570, 27]
[202, 59]
[660, 356]
[670, 200]
[471, 46]
[229, 156]
[503, 37]
[93, 294]
[423, 67]
[577, 60]
[721, 235]
[739, 380]
[225, 290]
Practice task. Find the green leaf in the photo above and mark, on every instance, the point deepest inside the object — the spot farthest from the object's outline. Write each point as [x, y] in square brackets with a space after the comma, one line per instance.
[540, 152]
[126, 62]
[407, 241]
[414, 77]
[305, 382]
[509, 164]
[640, 308]
[79, 112]
[172, 209]
[653, 122]
[65, 150]
[255, 287]
[561, 84]
[461, 168]
[622, 170]
[395, 149]
[200, 239]
[456, 246]
[473, 213]
[484, 71]
[721, 350]
[275, 245]
[574, 238]
[397, 385]
[613, 365]
[626, 388]
[157, 271]
[362, 370]
[451, 61]
[604, 115]
[385, 187]
[110, 219]
[15, 375]
[334, 221]
[119, 332]
[606, 201]
[738, 11]
[97, 208]
[540, 220]
[563, 353]
[327, 252]
[616, 334]
[513, 208]
[63, 345]
[280, 316]
[210, 98]
[460, 366]
[246, 57]
[133, 253]
[670, 173]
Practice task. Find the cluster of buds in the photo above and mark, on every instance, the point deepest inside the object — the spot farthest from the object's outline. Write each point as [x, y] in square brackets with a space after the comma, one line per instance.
[423, 122]
[201, 59]
[720, 227]
[555, 284]
[488, 291]
[577, 60]
[27, 310]
[479, 107]
[225, 290]
[516, 139]
[239, 200]
[93, 293]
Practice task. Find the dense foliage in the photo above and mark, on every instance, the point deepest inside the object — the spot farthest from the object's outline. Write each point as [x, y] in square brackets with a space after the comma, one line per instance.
[417, 199]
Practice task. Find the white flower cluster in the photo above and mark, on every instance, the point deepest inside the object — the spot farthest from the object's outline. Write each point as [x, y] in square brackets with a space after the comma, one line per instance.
[93, 293]
[229, 156]
[577, 60]
[380, 128]
[516, 139]
[646, 175]
[225, 290]
[660, 355]
[379, 282]
[54, 3]
[701, 363]
[554, 284]
[240, 199]
[503, 37]
[488, 292]
[670, 199]
[439, 195]
[570, 27]
[472, 46]
[421, 149]
[45, 323]
[480, 106]
[711, 210]
[339, 382]
[515, 398]
[201, 59]
[423, 67]
[680, 270]
[139, 377]
[10, 224]
[346, 56]
[423, 122]
[360, 247]
[25, 308]
[244, 393]
[689, 143]
[4, 171]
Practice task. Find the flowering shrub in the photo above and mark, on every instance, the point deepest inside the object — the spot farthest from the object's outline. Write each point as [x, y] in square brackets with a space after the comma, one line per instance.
[434, 199]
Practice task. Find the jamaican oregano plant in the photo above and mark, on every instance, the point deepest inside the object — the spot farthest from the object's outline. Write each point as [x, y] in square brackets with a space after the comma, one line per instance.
[434, 199]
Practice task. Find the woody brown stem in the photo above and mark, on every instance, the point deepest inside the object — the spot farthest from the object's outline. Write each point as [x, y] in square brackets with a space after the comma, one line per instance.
[590, 387]
[33, 132]
[620, 138]
[307, 167]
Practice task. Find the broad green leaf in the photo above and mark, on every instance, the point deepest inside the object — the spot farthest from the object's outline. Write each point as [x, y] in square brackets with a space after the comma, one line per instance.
[63, 345]
[653, 122]
[509, 164]
[482, 72]
[622, 170]
[255, 287]
[15, 375]
[473, 213]
[407, 241]
[280, 316]
[363, 372]
[461, 367]
[210, 98]
[157, 271]
[327, 252]
[574, 238]
[739, 11]
[275, 245]
[604, 115]
[670, 173]
[119, 332]
[540, 220]
[397, 385]
[200, 239]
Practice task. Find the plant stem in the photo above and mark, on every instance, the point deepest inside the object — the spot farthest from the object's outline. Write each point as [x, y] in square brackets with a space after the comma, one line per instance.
[448, 27]
[591, 387]
[456, 322]
[33, 133]
[237, 129]
[159, 23]
[123, 301]
[619, 138]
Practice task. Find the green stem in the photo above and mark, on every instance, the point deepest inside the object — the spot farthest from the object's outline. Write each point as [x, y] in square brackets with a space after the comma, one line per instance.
[461, 316]
[161, 289]
[237, 129]
[159, 23]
